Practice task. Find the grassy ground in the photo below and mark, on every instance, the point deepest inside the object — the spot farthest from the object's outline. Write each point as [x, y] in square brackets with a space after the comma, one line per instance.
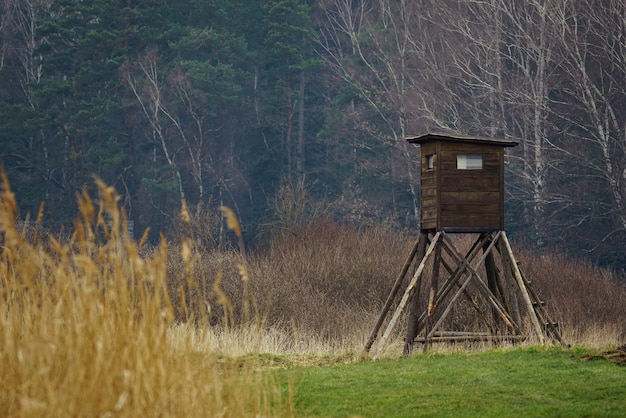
[520, 382]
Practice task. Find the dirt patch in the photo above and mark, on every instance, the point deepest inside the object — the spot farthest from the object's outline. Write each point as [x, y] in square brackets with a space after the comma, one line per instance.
[617, 356]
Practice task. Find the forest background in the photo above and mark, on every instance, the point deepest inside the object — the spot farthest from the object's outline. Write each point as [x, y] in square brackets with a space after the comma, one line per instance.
[289, 110]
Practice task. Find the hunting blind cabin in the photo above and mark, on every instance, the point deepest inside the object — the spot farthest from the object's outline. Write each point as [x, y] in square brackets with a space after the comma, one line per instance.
[462, 192]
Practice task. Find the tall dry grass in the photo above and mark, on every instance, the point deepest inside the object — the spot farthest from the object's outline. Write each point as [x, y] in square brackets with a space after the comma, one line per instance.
[86, 329]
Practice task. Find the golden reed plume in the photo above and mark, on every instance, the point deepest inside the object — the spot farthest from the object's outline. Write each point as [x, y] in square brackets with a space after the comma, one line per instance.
[233, 224]
[231, 220]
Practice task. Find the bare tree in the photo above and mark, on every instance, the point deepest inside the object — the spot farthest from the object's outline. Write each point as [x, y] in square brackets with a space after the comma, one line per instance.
[148, 90]
[19, 43]
[593, 49]
[530, 49]
[375, 49]
[499, 68]
[181, 125]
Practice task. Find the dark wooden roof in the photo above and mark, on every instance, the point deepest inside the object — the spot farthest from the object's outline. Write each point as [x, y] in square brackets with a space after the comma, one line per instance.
[454, 137]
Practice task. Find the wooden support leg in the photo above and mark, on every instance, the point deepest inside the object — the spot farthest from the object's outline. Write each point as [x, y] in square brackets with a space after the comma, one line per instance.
[493, 282]
[550, 328]
[421, 242]
[490, 268]
[520, 283]
[510, 287]
[413, 302]
[434, 289]
[405, 297]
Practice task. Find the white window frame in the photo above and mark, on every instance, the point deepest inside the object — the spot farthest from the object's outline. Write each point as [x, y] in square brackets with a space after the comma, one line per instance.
[430, 162]
[469, 161]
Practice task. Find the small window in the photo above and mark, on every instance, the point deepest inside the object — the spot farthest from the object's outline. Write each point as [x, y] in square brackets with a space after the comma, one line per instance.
[469, 161]
[430, 161]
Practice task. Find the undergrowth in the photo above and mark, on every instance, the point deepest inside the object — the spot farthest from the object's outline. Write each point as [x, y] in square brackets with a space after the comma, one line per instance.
[323, 285]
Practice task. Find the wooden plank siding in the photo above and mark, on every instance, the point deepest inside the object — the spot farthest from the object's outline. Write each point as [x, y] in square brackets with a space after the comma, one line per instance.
[462, 200]
[429, 187]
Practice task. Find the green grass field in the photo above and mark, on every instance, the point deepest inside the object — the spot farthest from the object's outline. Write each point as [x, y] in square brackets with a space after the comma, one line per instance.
[518, 383]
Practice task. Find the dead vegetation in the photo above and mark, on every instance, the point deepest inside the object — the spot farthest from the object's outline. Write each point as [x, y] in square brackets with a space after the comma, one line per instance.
[86, 328]
[617, 356]
[327, 282]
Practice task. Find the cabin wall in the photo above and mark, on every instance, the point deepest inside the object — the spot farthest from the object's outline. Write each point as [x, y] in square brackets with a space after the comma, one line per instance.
[469, 200]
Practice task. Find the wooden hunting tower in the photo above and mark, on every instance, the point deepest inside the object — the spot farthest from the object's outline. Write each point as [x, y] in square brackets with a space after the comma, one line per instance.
[462, 182]
[462, 191]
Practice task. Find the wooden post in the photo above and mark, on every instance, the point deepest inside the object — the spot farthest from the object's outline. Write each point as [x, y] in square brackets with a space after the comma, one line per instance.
[407, 292]
[434, 289]
[493, 281]
[520, 283]
[421, 242]
[413, 309]
[511, 286]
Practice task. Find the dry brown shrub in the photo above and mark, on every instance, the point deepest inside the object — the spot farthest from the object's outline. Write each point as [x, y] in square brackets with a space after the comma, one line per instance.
[587, 301]
[330, 281]
[327, 279]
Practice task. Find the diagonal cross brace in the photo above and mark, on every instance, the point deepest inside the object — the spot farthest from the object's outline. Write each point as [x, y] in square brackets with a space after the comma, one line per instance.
[471, 271]
[462, 265]
[391, 297]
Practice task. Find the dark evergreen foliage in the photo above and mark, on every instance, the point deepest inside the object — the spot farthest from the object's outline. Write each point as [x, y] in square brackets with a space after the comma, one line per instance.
[227, 102]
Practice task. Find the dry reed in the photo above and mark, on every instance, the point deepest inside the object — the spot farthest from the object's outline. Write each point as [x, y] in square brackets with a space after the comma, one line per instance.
[86, 329]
